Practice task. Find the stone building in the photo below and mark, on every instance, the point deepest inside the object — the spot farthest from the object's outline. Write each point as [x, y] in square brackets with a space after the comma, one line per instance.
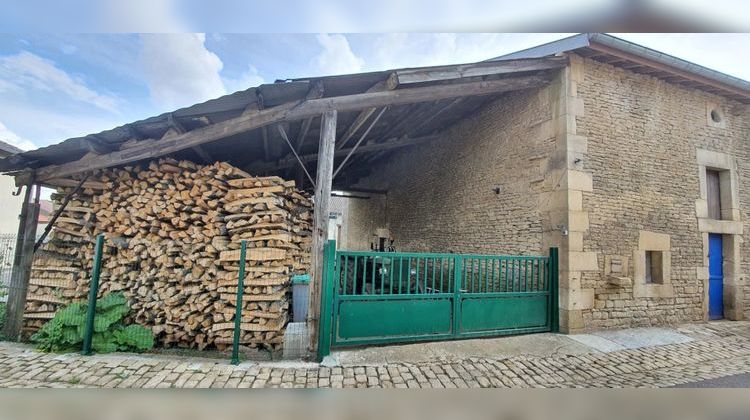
[631, 161]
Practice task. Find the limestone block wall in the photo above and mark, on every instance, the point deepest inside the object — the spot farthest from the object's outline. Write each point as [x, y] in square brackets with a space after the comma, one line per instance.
[477, 188]
[645, 138]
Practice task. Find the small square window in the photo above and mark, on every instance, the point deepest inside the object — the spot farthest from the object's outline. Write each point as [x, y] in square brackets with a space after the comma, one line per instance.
[654, 267]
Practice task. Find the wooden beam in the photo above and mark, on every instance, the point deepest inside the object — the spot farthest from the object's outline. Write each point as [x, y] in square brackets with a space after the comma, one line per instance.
[361, 117]
[411, 116]
[303, 130]
[177, 128]
[436, 114]
[288, 112]
[361, 139]
[669, 69]
[486, 68]
[65, 182]
[358, 122]
[322, 198]
[58, 212]
[24, 255]
[316, 92]
[376, 147]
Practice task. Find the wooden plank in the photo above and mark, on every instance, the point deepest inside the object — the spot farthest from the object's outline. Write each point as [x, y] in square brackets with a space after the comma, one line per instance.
[361, 117]
[22, 259]
[64, 182]
[377, 147]
[357, 144]
[322, 198]
[255, 254]
[487, 68]
[316, 92]
[288, 112]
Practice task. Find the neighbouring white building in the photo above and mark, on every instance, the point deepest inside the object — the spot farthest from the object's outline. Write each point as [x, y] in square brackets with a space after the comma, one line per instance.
[11, 204]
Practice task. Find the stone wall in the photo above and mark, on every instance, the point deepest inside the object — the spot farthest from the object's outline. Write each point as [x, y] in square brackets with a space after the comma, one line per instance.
[361, 216]
[476, 189]
[644, 136]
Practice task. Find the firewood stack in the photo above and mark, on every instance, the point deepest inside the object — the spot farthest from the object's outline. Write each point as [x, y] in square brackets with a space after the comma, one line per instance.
[274, 219]
[173, 232]
[59, 269]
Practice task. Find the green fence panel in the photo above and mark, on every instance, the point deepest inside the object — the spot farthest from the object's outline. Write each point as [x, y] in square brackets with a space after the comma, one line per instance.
[329, 286]
[401, 297]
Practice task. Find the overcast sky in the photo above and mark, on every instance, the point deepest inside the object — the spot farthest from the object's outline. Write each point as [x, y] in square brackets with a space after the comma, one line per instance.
[53, 87]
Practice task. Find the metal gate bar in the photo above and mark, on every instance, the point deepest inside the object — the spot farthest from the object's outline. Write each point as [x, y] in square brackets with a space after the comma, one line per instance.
[376, 298]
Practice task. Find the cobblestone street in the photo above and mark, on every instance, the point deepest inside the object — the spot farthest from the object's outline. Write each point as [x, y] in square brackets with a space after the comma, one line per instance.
[717, 350]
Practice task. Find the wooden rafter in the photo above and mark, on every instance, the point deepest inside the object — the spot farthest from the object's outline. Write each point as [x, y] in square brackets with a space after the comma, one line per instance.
[485, 68]
[436, 114]
[178, 128]
[391, 144]
[361, 118]
[361, 139]
[288, 112]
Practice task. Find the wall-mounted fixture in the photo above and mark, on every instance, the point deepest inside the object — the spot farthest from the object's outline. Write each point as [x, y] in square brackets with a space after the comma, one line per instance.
[497, 188]
[563, 230]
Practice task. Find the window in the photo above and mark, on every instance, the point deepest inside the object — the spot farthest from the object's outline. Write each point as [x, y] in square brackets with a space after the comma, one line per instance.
[654, 267]
[713, 193]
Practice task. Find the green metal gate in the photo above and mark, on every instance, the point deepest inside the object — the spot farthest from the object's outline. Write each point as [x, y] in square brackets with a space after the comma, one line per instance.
[375, 297]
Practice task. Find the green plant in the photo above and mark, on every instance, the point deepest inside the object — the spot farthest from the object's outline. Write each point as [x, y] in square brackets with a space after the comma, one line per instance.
[66, 330]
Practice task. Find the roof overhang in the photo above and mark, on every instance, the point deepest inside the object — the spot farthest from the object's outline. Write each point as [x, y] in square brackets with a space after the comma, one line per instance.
[637, 58]
[236, 126]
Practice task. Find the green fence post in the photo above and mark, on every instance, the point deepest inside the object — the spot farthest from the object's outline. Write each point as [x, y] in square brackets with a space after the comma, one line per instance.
[326, 300]
[554, 264]
[457, 282]
[93, 291]
[238, 310]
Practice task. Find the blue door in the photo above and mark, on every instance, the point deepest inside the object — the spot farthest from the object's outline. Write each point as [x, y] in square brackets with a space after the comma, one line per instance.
[715, 277]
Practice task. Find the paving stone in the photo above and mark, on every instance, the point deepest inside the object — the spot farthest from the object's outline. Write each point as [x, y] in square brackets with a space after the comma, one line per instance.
[722, 349]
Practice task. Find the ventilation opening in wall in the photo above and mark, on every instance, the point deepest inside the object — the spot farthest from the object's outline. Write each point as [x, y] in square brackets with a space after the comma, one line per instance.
[716, 116]
[654, 267]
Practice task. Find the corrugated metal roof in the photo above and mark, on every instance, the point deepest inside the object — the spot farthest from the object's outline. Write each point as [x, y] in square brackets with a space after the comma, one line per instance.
[8, 149]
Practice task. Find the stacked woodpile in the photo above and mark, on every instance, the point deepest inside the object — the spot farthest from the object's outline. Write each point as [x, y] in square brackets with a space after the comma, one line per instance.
[60, 272]
[275, 221]
[173, 231]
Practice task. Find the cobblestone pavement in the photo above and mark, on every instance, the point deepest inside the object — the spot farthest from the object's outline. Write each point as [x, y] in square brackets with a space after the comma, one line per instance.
[719, 349]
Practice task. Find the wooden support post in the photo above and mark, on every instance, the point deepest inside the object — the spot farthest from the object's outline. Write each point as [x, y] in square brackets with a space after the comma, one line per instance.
[24, 255]
[322, 201]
